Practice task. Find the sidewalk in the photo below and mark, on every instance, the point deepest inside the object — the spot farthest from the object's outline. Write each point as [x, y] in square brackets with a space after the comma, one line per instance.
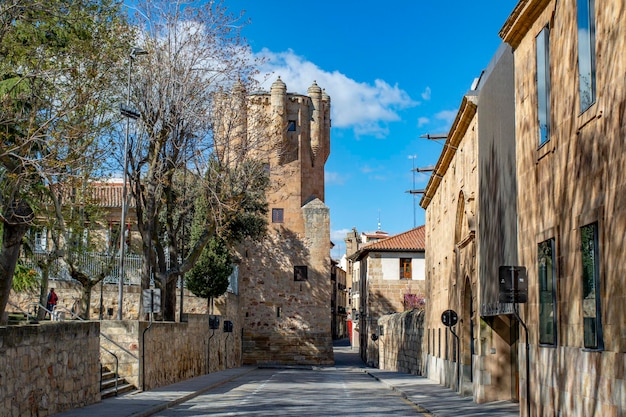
[434, 399]
[146, 403]
[438, 400]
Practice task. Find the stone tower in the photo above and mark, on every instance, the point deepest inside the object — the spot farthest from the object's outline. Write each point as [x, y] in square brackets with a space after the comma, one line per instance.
[284, 282]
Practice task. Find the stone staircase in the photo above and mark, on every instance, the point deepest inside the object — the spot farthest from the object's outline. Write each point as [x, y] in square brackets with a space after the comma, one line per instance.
[107, 384]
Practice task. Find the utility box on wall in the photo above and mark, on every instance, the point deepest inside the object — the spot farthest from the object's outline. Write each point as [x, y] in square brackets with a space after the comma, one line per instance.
[214, 322]
[228, 326]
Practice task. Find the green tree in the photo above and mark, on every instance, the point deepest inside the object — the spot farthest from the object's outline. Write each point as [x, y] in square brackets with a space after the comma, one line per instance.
[57, 78]
[209, 276]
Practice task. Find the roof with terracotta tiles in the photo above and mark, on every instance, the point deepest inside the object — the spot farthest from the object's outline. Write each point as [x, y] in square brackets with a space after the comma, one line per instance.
[413, 240]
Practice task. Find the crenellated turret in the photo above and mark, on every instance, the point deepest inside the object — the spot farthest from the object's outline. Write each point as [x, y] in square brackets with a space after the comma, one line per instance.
[326, 129]
[278, 94]
[317, 119]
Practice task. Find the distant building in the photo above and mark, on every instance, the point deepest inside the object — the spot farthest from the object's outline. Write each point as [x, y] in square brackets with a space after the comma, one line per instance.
[388, 274]
[285, 288]
[339, 301]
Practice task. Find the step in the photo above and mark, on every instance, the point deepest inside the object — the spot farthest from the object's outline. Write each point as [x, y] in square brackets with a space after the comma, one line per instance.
[106, 375]
[108, 379]
[122, 389]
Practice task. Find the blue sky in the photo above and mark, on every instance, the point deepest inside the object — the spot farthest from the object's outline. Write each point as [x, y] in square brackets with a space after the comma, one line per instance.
[394, 70]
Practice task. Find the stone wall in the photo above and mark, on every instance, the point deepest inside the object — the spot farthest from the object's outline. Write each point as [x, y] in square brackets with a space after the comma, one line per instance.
[48, 368]
[69, 293]
[168, 352]
[400, 344]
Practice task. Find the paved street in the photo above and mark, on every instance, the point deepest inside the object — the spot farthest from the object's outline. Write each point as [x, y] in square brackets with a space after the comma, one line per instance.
[318, 392]
[347, 389]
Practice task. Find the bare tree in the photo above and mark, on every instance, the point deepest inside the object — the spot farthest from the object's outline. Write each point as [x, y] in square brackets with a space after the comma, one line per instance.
[196, 55]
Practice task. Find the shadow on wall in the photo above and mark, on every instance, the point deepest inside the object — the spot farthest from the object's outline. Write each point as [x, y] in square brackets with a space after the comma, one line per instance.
[286, 301]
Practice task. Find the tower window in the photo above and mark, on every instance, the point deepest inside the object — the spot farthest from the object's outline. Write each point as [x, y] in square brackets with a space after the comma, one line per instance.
[291, 126]
[300, 273]
[278, 215]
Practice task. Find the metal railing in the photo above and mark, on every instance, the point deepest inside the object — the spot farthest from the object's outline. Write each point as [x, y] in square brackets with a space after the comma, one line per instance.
[92, 263]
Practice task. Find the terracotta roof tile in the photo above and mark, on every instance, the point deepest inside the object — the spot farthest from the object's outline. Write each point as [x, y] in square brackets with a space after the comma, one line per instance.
[412, 240]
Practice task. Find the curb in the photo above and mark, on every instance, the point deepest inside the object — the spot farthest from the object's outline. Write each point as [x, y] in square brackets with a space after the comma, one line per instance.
[420, 409]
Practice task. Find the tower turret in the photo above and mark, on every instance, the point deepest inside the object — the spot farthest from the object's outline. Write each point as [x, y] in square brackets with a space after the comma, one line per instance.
[317, 122]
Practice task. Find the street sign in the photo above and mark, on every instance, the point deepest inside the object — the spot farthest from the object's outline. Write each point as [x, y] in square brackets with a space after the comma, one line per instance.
[513, 284]
[449, 318]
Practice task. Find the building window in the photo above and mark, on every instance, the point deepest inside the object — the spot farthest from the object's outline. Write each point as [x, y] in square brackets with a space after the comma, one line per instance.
[291, 126]
[277, 215]
[300, 273]
[592, 318]
[41, 241]
[405, 268]
[543, 84]
[547, 293]
[586, 53]
[233, 280]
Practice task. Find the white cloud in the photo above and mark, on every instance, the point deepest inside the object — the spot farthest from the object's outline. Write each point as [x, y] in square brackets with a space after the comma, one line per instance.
[447, 116]
[334, 178]
[422, 121]
[366, 169]
[365, 108]
[426, 94]
[338, 236]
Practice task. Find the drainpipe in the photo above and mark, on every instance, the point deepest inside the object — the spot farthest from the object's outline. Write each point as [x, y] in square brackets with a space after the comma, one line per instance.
[143, 355]
[208, 352]
[458, 360]
[519, 319]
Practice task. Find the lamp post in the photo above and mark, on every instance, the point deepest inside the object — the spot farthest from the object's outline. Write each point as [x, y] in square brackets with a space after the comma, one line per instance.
[129, 114]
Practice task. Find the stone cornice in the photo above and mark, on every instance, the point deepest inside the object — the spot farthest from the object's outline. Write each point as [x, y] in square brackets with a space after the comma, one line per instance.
[457, 132]
[521, 19]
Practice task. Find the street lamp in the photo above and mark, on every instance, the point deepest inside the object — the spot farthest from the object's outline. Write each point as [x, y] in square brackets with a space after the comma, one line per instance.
[129, 113]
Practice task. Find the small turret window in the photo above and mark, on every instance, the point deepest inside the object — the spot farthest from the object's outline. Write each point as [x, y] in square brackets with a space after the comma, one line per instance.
[291, 126]
[277, 215]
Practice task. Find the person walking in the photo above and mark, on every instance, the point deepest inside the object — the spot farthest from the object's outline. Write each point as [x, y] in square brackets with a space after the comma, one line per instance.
[52, 302]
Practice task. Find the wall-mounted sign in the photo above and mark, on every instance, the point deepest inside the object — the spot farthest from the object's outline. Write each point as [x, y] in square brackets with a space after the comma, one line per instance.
[214, 322]
[449, 318]
[228, 326]
[151, 300]
[513, 284]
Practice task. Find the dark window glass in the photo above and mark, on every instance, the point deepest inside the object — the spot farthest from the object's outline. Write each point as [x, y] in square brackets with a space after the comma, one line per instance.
[586, 53]
[543, 84]
[277, 215]
[592, 319]
[300, 273]
[291, 126]
[547, 293]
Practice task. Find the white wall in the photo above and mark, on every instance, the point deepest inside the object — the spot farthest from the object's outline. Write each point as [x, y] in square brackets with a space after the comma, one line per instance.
[391, 265]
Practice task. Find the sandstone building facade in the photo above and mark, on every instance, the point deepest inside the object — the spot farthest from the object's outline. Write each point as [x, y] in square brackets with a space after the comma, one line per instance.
[470, 232]
[570, 89]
